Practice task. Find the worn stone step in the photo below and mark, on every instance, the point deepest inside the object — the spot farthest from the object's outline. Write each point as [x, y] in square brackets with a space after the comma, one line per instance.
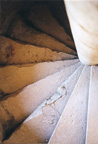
[38, 127]
[71, 127]
[92, 120]
[20, 31]
[42, 17]
[15, 77]
[20, 105]
[12, 52]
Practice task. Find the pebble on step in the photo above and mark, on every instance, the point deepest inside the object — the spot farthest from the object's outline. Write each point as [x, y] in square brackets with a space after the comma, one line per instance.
[21, 104]
[71, 128]
[38, 127]
[12, 52]
[20, 31]
[15, 77]
[42, 17]
[92, 120]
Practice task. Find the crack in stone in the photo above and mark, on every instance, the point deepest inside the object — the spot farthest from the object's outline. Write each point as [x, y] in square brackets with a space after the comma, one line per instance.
[50, 104]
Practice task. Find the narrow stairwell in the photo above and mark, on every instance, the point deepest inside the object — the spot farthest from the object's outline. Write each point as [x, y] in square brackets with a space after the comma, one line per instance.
[46, 94]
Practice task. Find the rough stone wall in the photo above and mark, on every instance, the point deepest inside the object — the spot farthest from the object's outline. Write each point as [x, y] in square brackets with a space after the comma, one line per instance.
[9, 8]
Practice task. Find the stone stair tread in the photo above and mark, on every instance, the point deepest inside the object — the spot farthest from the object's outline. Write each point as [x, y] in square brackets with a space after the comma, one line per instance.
[42, 17]
[12, 52]
[71, 127]
[92, 120]
[18, 106]
[15, 77]
[22, 32]
[38, 127]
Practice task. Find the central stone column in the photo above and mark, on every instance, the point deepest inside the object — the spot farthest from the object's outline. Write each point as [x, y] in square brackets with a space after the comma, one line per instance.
[83, 18]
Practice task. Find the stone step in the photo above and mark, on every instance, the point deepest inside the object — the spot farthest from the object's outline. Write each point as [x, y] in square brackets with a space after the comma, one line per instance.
[12, 52]
[92, 120]
[18, 106]
[20, 31]
[42, 17]
[38, 127]
[71, 128]
[15, 77]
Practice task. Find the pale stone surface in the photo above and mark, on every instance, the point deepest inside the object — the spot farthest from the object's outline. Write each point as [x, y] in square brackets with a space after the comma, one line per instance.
[38, 127]
[92, 121]
[71, 128]
[12, 52]
[88, 57]
[84, 27]
[20, 31]
[20, 105]
[41, 16]
[13, 78]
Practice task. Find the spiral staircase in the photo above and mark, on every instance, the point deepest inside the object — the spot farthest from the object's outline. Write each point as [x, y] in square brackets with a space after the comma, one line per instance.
[46, 94]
